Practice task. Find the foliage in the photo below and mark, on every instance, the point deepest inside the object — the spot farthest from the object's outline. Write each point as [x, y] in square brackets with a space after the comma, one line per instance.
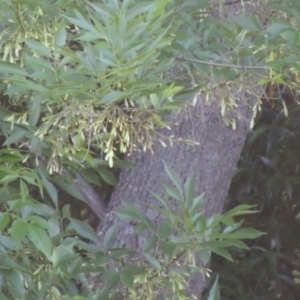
[83, 82]
[100, 75]
[173, 248]
[42, 257]
[268, 177]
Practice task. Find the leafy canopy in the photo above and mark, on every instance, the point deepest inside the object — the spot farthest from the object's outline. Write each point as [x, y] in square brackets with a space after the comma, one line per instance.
[79, 78]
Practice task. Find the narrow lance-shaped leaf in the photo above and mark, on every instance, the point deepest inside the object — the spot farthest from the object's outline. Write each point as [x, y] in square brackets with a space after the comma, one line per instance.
[6, 67]
[60, 35]
[84, 230]
[189, 189]
[248, 233]
[110, 236]
[38, 48]
[174, 177]
[214, 293]
[40, 239]
[50, 188]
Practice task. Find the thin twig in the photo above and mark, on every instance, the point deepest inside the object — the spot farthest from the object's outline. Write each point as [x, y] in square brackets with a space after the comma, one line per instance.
[213, 64]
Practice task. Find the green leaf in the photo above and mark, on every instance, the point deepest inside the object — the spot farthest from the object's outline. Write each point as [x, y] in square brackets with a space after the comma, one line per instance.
[91, 176]
[38, 48]
[91, 36]
[153, 261]
[109, 285]
[81, 22]
[35, 110]
[68, 188]
[278, 28]
[238, 244]
[186, 95]
[247, 233]
[165, 229]
[138, 9]
[214, 293]
[161, 201]
[66, 211]
[9, 178]
[40, 239]
[222, 252]
[41, 222]
[110, 236]
[50, 188]
[107, 176]
[174, 177]
[4, 220]
[196, 204]
[158, 8]
[198, 221]
[127, 278]
[84, 230]
[6, 67]
[150, 243]
[140, 227]
[250, 23]
[16, 280]
[189, 189]
[15, 136]
[18, 230]
[38, 62]
[241, 210]
[168, 249]
[23, 189]
[204, 255]
[42, 209]
[7, 242]
[112, 96]
[3, 297]
[60, 35]
[132, 213]
[10, 155]
[64, 253]
[173, 192]
[8, 263]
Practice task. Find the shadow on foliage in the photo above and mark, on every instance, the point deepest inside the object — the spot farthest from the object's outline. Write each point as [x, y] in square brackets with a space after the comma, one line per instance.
[268, 176]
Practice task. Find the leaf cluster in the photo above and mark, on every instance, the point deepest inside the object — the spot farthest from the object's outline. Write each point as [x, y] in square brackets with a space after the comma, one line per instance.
[268, 177]
[82, 82]
[184, 238]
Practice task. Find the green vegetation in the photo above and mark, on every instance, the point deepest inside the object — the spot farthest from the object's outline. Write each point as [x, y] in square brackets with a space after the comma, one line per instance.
[268, 177]
[83, 83]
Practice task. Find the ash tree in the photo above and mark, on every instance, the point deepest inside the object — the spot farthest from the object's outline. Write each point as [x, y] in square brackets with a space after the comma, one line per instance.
[164, 92]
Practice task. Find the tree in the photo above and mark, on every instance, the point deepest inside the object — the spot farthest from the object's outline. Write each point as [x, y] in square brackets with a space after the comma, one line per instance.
[79, 80]
[212, 160]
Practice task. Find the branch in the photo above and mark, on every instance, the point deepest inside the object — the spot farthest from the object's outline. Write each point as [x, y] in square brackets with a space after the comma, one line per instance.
[213, 64]
[93, 199]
